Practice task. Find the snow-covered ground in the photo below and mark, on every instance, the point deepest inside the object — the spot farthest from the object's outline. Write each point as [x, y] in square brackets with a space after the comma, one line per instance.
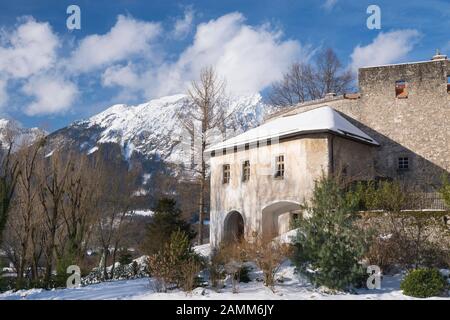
[292, 287]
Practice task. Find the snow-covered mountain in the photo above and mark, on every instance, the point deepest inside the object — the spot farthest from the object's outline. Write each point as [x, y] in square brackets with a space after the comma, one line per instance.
[153, 131]
[11, 130]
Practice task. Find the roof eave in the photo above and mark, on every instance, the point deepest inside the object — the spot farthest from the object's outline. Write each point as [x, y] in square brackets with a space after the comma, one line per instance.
[296, 134]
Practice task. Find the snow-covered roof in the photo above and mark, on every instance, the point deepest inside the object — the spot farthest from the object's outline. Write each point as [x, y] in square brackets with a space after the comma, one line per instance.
[323, 119]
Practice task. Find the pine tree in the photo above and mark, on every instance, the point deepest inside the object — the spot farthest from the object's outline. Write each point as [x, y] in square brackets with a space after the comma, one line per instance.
[166, 220]
[329, 247]
[445, 190]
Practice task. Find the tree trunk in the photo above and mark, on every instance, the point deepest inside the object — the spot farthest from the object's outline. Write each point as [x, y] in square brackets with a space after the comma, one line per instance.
[201, 214]
[105, 263]
[50, 246]
[201, 211]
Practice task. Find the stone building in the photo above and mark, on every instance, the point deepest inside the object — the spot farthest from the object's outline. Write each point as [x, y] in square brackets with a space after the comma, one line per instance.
[397, 126]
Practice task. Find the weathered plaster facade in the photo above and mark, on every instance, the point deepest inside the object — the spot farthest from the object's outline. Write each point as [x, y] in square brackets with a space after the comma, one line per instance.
[267, 203]
[416, 127]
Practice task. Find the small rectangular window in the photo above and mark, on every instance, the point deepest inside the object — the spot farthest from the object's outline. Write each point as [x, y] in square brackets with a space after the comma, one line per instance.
[226, 173]
[279, 165]
[403, 163]
[246, 171]
[401, 89]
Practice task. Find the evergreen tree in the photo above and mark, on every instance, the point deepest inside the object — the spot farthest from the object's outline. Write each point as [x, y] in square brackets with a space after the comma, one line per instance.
[329, 247]
[125, 257]
[445, 190]
[166, 220]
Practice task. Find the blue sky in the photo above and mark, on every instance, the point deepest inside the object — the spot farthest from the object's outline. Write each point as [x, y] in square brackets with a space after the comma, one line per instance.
[131, 51]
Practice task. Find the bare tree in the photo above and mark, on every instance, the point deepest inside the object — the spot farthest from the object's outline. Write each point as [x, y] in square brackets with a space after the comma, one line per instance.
[115, 214]
[331, 78]
[297, 85]
[79, 211]
[9, 172]
[207, 113]
[309, 81]
[53, 182]
[22, 239]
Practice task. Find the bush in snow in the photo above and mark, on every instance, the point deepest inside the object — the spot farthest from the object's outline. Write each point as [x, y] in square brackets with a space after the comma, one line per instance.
[189, 272]
[405, 239]
[166, 220]
[383, 252]
[244, 274]
[269, 255]
[136, 269]
[424, 283]
[230, 261]
[176, 264]
[216, 269]
[408, 240]
[329, 245]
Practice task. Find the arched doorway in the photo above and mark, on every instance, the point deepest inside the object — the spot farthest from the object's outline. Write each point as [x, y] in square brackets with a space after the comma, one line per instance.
[277, 218]
[233, 227]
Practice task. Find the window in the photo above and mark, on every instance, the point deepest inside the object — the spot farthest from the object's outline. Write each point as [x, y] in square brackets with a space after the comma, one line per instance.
[401, 90]
[246, 171]
[403, 163]
[448, 84]
[279, 166]
[226, 173]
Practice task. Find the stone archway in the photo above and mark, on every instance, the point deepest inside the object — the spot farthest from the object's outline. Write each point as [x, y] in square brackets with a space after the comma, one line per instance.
[277, 217]
[233, 227]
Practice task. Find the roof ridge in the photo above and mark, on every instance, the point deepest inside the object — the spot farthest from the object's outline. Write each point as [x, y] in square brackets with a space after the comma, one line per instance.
[285, 110]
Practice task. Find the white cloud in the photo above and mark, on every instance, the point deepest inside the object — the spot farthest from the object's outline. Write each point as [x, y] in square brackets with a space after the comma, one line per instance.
[3, 93]
[184, 26]
[249, 58]
[126, 38]
[51, 95]
[329, 4]
[29, 49]
[123, 76]
[389, 47]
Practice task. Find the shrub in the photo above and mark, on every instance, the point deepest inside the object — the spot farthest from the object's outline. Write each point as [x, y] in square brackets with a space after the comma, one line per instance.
[379, 195]
[233, 256]
[134, 268]
[268, 256]
[189, 274]
[445, 190]
[383, 252]
[244, 274]
[62, 263]
[328, 242]
[408, 240]
[216, 269]
[424, 283]
[125, 257]
[175, 264]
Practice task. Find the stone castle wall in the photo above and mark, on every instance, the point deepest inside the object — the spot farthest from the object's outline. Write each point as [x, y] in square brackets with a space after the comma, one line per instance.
[417, 127]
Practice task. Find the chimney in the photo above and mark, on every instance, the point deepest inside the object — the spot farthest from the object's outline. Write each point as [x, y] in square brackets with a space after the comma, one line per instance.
[439, 56]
